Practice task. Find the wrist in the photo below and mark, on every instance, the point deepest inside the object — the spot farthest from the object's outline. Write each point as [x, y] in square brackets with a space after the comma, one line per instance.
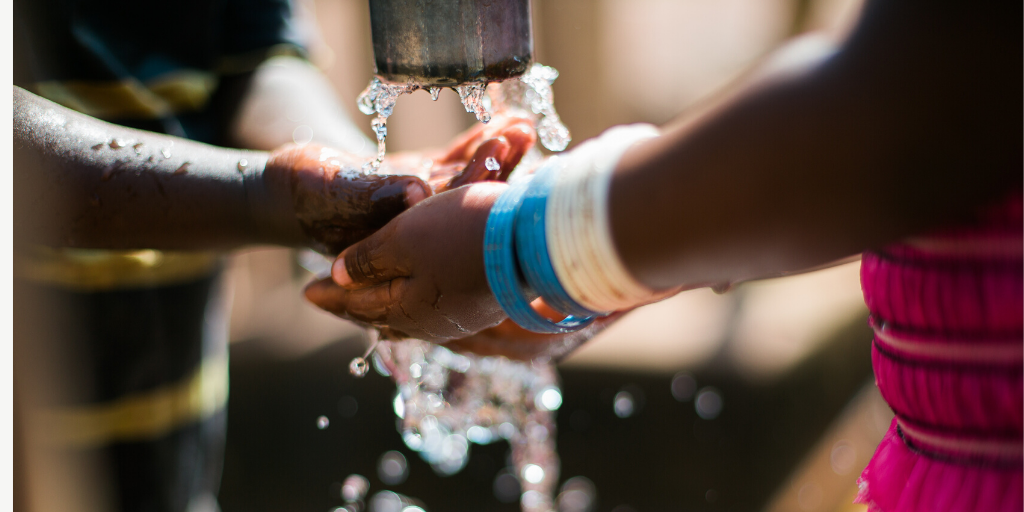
[554, 231]
[269, 201]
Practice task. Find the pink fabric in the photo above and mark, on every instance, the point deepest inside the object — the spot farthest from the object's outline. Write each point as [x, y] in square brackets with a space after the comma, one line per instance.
[948, 314]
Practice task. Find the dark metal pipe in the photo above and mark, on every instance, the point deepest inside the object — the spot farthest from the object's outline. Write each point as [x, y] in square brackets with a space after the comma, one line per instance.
[451, 42]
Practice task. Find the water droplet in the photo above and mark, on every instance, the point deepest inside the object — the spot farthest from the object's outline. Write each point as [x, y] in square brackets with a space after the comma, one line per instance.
[708, 403]
[578, 494]
[166, 152]
[721, 288]
[354, 488]
[623, 404]
[392, 468]
[472, 96]
[183, 169]
[683, 386]
[322, 422]
[138, 148]
[491, 164]
[506, 487]
[434, 93]
[117, 143]
[549, 399]
[843, 457]
[243, 164]
[358, 367]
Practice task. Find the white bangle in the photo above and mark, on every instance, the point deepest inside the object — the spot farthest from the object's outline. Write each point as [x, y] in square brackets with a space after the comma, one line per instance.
[578, 226]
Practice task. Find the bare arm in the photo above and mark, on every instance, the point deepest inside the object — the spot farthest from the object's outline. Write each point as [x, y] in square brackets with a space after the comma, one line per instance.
[81, 182]
[915, 122]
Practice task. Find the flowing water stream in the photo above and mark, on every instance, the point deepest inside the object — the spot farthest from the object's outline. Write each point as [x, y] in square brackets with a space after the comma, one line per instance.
[445, 400]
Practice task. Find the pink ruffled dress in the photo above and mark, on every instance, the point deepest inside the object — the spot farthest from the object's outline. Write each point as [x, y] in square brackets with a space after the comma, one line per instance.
[948, 316]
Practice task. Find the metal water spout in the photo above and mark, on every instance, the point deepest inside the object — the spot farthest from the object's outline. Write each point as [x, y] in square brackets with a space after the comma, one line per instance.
[444, 43]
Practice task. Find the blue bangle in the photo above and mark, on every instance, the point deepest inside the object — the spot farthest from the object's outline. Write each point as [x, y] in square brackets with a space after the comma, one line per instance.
[532, 244]
[502, 269]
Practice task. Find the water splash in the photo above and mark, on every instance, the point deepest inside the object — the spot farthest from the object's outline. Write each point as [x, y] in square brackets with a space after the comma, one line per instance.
[491, 164]
[447, 400]
[529, 95]
[380, 98]
[472, 96]
[541, 101]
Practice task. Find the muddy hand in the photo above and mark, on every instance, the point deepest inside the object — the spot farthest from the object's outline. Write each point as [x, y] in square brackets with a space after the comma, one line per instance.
[422, 275]
[335, 203]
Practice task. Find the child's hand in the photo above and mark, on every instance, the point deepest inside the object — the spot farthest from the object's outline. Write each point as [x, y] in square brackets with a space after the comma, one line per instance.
[509, 340]
[337, 204]
[422, 275]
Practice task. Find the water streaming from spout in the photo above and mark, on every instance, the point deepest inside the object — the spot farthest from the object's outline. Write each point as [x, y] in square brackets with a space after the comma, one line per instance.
[446, 400]
[529, 94]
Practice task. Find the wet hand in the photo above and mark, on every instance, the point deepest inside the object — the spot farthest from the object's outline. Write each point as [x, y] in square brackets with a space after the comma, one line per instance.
[422, 275]
[509, 340]
[337, 204]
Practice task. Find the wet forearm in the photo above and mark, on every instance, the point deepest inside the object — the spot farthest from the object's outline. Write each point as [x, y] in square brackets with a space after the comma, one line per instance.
[891, 136]
[81, 182]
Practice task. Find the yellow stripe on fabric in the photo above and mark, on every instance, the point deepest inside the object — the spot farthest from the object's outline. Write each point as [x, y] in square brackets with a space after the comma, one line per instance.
[91, 270]
[184, 90]
[141, 416]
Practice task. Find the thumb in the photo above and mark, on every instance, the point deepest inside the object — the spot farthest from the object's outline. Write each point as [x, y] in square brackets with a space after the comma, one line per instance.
[372, 261]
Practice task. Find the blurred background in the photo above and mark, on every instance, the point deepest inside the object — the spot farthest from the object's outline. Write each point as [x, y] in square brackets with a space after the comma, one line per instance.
[760, 398]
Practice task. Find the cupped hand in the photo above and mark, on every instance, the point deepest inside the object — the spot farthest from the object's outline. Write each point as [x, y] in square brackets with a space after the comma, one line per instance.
[421, 275]
[337, 203]
[512, 341]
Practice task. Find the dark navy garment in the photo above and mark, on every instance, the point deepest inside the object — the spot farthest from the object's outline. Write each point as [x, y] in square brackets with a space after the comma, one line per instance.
[153, 407]
[148, 64]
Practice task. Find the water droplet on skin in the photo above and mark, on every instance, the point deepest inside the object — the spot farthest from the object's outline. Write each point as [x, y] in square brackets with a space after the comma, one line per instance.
[721, 288]
[182, 170]
[117, 143]
[491, 164]
[434, 93]
[138, 148]
[243, 164]
[322, 422]
[358, 367]
[166, 152]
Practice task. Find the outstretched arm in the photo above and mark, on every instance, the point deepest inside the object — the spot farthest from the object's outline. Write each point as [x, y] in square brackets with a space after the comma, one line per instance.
[82, 182]
[912, 124]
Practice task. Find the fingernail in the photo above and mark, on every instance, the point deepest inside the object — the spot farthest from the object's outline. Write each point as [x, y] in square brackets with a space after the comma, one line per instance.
[414, 193]
[339, 272]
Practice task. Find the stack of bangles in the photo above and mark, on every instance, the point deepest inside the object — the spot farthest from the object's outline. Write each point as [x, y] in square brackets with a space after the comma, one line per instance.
[550, 236]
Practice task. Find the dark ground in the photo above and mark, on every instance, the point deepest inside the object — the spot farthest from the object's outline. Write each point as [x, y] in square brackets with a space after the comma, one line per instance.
[664, 457]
